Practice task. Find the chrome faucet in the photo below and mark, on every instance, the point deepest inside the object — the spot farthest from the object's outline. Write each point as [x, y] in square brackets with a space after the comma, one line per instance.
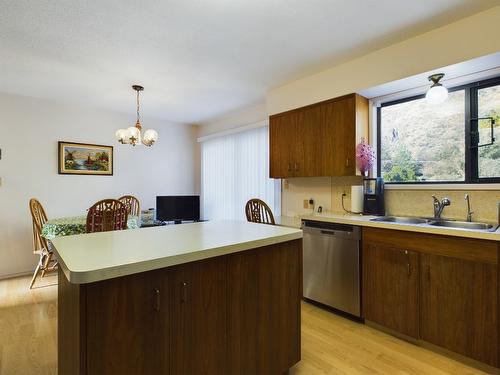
[439, 206]
[469, 212]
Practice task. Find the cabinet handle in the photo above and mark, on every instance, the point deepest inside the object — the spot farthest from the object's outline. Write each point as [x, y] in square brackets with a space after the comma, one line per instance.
[347, 162]
[184, 286]
[157, 300]
[289, 167]
[296, 167]
[408, 265]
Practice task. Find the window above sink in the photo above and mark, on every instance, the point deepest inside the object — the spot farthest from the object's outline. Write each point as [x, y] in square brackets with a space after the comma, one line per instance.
[420, 143]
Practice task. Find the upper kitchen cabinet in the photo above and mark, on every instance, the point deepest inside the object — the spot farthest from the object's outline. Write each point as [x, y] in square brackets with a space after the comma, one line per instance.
[318, 140]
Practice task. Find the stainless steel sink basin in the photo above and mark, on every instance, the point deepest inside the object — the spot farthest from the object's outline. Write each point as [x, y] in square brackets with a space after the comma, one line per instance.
[434, 223]
[402, 220]
[461, 224]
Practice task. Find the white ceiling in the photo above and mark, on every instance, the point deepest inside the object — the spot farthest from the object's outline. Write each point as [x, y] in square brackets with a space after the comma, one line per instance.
[196, 58]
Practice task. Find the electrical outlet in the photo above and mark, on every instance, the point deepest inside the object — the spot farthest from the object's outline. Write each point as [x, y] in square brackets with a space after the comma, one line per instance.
[306, 203]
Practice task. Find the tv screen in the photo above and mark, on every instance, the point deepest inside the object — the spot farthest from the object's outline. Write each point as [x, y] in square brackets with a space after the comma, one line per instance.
[178, 207]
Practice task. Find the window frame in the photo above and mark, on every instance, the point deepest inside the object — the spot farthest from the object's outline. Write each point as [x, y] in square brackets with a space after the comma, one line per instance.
[471, 154]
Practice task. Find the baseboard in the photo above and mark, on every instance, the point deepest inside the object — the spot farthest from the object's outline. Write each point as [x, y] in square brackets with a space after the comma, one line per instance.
[14, 275]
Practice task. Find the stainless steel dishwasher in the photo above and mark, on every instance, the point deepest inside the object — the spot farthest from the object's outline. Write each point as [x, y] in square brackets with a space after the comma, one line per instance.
[332, 265]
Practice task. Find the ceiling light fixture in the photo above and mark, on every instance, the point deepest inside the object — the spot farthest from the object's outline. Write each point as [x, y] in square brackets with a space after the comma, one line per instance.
[437, 93]
[133, 135]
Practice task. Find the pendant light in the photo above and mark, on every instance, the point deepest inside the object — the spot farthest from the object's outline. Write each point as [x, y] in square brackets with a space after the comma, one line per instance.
[437, 93]
[133, 135]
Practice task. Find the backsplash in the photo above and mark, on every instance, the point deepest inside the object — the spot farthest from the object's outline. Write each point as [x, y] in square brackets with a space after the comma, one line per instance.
[484, 203]
[327, 192]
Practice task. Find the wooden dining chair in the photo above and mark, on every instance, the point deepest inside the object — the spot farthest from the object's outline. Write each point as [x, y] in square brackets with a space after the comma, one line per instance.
[40, 244]
[132, 204]
[258, 211]
[107, 215]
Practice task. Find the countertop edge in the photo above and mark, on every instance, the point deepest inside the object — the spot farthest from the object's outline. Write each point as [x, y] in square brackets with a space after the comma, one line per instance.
[365, 222]
[87, 277]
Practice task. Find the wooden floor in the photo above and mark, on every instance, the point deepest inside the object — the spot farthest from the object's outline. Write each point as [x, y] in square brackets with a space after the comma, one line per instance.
[330, 344]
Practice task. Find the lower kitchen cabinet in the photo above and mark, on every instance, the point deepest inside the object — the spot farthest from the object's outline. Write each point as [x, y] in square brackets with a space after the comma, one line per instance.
[436, 289]
[126, 309]
[198, 339]
[459, 306]
[390, 288]
[181, 311]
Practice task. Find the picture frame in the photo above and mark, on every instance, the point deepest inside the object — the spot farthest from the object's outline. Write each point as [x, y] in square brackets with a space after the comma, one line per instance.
[85, 159]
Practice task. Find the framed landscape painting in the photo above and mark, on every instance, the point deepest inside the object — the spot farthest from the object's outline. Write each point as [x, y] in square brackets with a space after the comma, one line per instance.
[81, 158]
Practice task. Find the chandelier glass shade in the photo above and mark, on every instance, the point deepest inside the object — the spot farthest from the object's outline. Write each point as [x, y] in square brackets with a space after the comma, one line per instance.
[133, 135]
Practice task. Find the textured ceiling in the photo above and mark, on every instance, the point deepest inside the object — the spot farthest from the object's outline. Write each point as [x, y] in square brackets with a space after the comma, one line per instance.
[196, 59]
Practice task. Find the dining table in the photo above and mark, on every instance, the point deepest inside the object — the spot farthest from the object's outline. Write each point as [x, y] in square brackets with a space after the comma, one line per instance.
[67, 226]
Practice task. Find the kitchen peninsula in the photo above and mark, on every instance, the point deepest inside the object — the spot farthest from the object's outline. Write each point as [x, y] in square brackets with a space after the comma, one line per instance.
[203, 298]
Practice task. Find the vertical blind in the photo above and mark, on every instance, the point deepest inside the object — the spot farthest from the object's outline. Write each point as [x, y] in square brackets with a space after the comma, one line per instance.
[235, 168]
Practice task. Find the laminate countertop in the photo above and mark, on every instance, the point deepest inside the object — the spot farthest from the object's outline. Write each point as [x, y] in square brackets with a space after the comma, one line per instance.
[365, 221]
[87, 258]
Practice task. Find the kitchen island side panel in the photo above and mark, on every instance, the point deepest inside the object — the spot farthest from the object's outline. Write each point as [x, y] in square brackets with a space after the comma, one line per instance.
[264, 297]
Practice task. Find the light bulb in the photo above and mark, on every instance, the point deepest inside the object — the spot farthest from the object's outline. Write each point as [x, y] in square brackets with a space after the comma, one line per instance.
[133, 135]
[150, 137]
[122, 135]
[437, 94]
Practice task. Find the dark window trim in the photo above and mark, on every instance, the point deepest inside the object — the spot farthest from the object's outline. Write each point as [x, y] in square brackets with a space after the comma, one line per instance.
[471, 155]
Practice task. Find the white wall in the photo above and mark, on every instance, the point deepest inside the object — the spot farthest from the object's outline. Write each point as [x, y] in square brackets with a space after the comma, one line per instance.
[234, 119]
[29, 131]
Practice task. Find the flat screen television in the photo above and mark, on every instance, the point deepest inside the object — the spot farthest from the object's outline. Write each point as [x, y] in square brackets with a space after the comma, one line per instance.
[178, 208]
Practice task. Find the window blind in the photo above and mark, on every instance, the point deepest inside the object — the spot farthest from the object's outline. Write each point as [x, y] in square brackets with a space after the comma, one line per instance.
[235, 168]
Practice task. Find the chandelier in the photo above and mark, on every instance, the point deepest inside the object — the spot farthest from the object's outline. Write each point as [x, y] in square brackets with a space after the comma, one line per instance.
[133, 135]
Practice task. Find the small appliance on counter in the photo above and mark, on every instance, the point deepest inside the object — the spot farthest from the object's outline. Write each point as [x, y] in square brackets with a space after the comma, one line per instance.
[373, 191]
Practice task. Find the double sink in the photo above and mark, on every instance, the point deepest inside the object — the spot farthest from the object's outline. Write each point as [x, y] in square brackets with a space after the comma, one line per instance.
[436, 223]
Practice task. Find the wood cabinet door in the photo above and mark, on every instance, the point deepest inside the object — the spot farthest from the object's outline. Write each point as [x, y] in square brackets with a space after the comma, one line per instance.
[264, 294]
[294, 140]
[390, 288]
[198, 330]
[337, 127]
[281, 144]
[306, 154]
[125, 319]
[459, 306]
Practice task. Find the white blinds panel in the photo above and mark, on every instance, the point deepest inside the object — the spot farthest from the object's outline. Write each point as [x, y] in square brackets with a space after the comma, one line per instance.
[235, 168]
